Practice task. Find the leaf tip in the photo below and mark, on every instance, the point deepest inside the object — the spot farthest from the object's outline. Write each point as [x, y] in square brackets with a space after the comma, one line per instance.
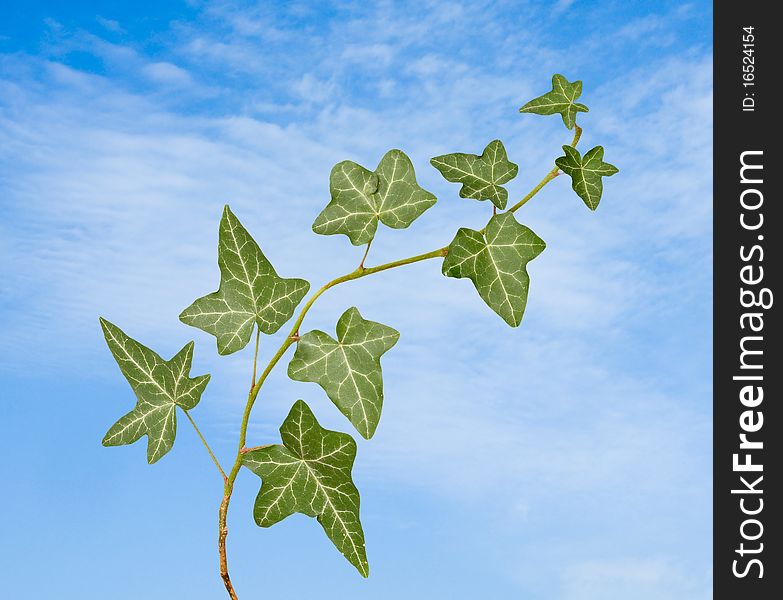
[300, 406]
[186, 316]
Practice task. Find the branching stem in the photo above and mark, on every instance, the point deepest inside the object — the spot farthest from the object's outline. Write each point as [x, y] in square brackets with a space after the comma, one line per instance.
[253, 394]
[548, 177]
[293, 337]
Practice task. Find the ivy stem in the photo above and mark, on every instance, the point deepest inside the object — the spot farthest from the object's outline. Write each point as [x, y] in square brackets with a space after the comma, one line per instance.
[204, 441]
[548, 177]
[293, 337]
[228, 488]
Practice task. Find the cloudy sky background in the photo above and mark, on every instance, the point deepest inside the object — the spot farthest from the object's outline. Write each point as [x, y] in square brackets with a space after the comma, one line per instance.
[569, 458]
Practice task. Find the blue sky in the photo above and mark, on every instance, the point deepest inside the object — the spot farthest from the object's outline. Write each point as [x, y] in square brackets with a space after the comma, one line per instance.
[567, 459]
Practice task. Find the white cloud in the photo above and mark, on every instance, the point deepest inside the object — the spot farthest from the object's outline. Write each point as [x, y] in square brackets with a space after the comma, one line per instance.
[561, 6]
[110, 24]
[378, 54]
[312, 89]
[645, 579]
[167, 74]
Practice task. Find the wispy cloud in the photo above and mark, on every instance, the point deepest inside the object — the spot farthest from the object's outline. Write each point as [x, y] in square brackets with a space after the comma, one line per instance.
[640, 578]
[166, 73]
[110, 24]
[561, 6]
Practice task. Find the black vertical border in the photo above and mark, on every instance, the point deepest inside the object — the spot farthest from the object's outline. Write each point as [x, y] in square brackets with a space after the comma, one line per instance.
[736, 131]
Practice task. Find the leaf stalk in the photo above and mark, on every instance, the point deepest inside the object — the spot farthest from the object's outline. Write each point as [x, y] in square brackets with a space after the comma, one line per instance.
[204, 441]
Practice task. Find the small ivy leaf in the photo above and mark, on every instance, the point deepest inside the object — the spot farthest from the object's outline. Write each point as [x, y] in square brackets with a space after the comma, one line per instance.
[481, 176]
[349, 368]
[586, 172]
[400, 198]
[160, 387]
[310, 473]
[352, 210]
[250, 293]
[496, 262]
[361, 198]
[562, 99]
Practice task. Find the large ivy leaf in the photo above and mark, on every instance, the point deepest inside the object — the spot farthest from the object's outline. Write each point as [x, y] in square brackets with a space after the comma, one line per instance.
[496, 262]
[562, 99]
[348, 368]
[250, 293]
[160, 387]
[310, 473]
[361, 198]
[586, 172]
[481, 176]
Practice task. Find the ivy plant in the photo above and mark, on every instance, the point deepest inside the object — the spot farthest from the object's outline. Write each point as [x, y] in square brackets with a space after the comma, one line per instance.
[309, 471]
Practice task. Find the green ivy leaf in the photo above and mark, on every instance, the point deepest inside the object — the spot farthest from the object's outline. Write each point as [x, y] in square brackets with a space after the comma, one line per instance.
[349, 368]
[586, 172]
[361, 198]
[160, 387]
[250, 293]
[496, 262]
[310, 473]
[562, 99]
[481, 176]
